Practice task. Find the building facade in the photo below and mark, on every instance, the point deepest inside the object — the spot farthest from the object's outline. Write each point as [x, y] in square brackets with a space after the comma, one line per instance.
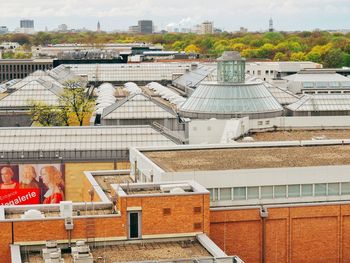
[21, 68]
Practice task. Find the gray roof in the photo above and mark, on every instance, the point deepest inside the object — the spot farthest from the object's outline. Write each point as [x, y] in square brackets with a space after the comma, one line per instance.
[33, 91]
[230, 56]
[283, 96]
[322, 102]
[144, 72]
[312, 76]
[227, 99]
[194, 77]
[79, 138]
[137, 106]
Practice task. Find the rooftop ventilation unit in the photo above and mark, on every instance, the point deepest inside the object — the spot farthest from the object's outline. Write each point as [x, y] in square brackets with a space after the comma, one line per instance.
[51, 247]
[54, 258]
[66, 209]
[32, 213]
[79, 244]
[175, 188]
[82, 255]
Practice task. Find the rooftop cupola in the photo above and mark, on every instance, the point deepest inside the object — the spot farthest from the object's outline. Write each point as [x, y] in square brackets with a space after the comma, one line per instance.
[231, 68]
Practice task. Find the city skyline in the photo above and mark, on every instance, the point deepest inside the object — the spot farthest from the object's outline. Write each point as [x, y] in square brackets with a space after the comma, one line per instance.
[288, 15]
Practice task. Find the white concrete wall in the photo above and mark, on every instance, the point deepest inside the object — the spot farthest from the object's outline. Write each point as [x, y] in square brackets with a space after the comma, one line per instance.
[310, 122]
[217, 131]
[264, 177]
[148, 171]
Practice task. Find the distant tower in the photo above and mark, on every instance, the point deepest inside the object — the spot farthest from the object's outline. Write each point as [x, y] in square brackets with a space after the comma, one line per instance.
[98, 26]
[271, 25]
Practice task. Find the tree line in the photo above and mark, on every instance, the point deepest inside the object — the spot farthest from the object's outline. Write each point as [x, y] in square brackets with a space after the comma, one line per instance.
[330, 49]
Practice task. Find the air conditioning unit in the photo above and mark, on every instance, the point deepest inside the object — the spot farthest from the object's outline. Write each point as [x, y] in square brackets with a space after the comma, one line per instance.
[66, 209]
[51, 247]
[54, 258]
[32, 213]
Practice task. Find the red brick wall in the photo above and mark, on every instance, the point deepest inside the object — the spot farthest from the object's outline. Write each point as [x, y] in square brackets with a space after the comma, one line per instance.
[295, 234]
[54, 229]
[182, 216]
[5, 241]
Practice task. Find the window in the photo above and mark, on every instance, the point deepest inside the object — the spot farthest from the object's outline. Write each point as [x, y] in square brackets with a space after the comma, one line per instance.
[306, 190]
[345, 188]
[259, 72]
[333, 189]
[239, 193]
[266, 192]
[253, 192]
[280, 191]
[225, 193]
[320, 189]
[294, 190]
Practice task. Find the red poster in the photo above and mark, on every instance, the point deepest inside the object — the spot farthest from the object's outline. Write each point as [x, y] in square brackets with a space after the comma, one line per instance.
[20, 197]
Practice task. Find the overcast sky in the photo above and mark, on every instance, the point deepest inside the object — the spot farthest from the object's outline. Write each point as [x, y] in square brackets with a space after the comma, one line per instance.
[226, 14]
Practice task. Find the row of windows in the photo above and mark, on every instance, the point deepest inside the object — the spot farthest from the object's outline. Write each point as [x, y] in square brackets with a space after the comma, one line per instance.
[267, 72]
[279, 191]
[24, 67]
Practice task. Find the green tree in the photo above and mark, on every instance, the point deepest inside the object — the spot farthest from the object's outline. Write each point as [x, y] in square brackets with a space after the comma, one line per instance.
[334, 58]
[297, 56]
[75, 102]
[280, 57]
[46, 115]
[192, 49]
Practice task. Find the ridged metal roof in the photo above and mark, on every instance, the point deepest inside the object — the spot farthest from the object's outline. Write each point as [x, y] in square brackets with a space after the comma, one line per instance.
[322, 102]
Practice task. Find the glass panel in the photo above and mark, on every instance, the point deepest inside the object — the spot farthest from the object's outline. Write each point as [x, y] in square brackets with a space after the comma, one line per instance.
[211, 191]
[239, 193]
[306, 190]
[294, 190]
[253, 192]
[345, 188]
[333, 189]
[280, 191]
[320, 189]
[266, 192]
[225, 193]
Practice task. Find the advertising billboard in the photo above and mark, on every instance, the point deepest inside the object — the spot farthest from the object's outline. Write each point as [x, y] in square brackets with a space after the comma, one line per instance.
[31, 184]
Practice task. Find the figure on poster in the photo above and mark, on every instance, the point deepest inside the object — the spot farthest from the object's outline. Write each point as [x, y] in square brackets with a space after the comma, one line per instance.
[52, 178]
[7, 177]
[28, 178]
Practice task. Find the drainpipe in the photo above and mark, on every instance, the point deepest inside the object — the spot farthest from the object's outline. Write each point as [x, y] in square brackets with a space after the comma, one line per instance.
[264, 215]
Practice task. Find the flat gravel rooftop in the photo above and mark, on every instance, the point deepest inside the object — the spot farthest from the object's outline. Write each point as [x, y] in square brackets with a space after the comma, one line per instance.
[250, 158]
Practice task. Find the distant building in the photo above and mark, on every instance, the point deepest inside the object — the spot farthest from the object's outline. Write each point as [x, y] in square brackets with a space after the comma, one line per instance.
[207, 28]
[145, 26]
[63, 28]
[271, 29]
[3, 30]
[26, 26]
[243, 30]
[21, 68]
[134, 29]
[98, 26]
[9, 45]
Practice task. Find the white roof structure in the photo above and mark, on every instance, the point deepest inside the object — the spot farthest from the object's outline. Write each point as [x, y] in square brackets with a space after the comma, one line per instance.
[322, 102]
[166, 93]
[105, 97]
[143, 72]
[39, 74]
[284, 97]
[33, 91]
[63, 139]
[137, 106]
[132, 88]
[313, 80]
[194, 77]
